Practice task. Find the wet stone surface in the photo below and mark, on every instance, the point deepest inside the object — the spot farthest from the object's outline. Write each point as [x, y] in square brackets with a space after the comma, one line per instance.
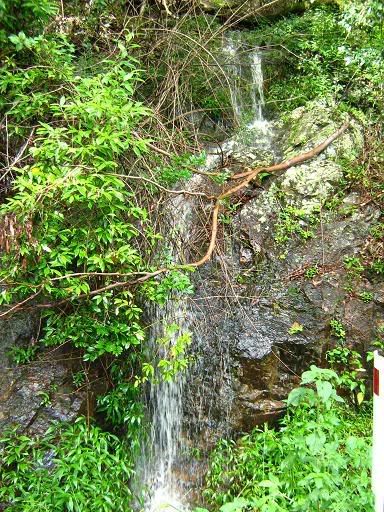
[256, 289]
[35, 394]
[249, 359]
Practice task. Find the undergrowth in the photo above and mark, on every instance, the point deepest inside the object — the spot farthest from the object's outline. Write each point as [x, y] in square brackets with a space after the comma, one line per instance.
[318, 458]
[74, 468]
[76, 234]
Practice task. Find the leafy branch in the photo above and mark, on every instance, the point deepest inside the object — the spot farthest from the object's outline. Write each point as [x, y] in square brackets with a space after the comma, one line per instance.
[248, 176]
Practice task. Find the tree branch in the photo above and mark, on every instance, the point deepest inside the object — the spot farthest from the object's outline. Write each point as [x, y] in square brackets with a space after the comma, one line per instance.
[252, 174]
[249, 176]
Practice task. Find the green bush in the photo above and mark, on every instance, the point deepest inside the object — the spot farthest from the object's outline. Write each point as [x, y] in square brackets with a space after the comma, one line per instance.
[79, 239]
[328, 53]
[76, 468]
[319, 459]
[20, 16]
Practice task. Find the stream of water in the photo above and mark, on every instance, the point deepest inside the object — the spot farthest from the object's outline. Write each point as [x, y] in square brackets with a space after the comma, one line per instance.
[245, 78]
[166, 401]
[162, 456]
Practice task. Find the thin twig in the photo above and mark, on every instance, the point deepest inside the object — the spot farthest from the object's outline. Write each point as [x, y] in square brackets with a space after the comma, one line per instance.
[160, 187]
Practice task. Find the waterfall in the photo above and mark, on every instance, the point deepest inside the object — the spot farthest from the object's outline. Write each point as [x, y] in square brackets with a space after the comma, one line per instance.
[257, 88]
[243, 66]
[166, 404]
[234, 72]
[162, 458]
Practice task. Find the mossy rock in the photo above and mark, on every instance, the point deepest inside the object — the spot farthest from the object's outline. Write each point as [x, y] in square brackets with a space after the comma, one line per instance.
[308, 126]
[253, 9]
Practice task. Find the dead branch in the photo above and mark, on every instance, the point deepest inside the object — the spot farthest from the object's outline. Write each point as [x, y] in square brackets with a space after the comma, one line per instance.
[11, 165]
[252, 174]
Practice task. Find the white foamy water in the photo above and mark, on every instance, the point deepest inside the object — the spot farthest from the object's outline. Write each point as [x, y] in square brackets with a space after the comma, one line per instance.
[166, 500]
[245, 79]
[166, 397]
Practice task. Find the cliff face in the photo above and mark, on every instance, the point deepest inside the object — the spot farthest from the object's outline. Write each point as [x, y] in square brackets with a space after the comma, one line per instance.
[289, 265]
[262, 307]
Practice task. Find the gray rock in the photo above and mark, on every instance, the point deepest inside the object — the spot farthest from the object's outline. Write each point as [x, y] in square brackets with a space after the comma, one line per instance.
[34, 395]
[247, 300]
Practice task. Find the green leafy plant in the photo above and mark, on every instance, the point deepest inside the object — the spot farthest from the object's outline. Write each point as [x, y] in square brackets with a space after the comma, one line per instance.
[45, 398]
[293, 221]
[353, 265]
[20, 16]
[317, 460]
[377, 266]
[366, 297]
[84, 228]
[312, 272]
[65, 470]
[79, 378]
[348, 363]
[172, 357]
[377, 230]
[122, 407]
[338, 329]
[355, 269]
[295, 328]
[22, 355]
[377, 343]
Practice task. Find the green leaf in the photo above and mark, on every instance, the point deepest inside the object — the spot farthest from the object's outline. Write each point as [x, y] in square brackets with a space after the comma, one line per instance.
[298, 395]
[315, 441]
[325, 390]
[236, 505]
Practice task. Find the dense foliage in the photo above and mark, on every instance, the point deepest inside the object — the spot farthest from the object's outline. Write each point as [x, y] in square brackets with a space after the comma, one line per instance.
[77, 235]
[89, 142]
[319, 459]
[66, 470]
[330, 53]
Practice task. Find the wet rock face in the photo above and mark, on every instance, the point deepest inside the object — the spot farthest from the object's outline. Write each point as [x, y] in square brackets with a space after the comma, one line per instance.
[261, 355]
[33, 395]
[261, 317]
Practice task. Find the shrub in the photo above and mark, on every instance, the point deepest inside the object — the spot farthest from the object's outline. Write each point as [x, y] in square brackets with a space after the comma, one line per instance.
[319, 459]
[76, 468]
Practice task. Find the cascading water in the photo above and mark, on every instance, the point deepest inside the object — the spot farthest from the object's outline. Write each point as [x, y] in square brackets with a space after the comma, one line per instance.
[166, 402]
[257, 89]
[245, 78]
[166, 399]
[244, 68]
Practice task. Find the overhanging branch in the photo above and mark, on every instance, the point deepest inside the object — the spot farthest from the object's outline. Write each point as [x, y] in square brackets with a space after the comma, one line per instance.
[248, 176]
